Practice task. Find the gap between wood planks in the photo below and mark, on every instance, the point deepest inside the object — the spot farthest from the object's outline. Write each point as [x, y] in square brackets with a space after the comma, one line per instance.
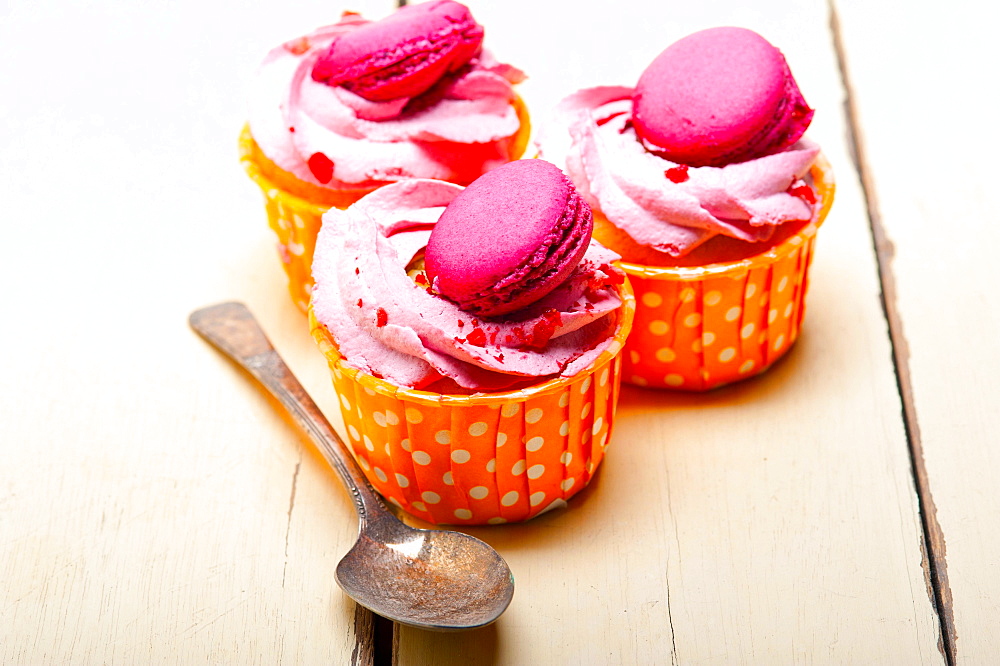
[933, 547]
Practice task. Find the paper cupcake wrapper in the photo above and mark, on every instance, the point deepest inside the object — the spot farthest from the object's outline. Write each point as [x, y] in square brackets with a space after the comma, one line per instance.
[480, 459]
[293, 218]
[698, 328]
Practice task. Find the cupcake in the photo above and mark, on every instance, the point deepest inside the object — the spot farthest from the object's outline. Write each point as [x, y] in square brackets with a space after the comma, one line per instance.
[353, 106]
[474, 338]
[701, 178]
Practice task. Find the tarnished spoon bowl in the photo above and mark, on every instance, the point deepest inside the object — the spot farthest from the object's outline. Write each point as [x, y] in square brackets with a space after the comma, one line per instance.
[431, 579]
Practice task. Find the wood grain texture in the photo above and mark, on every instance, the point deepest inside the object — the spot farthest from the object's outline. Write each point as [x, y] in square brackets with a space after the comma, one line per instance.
[929, 171]
[154, 507]
[771, 522]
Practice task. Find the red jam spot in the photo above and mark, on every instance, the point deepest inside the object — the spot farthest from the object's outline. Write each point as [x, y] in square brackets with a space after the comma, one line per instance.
[604, 121]
[360, 303]
[291, 129]
[493, 336]
[381, 317]
[477, 337]
[461, 323]
[297, 46]
[803, 192]
[357, 271]
[421, 279]
[626, 127]
[499, 357]
[321, 167]
[677, 174]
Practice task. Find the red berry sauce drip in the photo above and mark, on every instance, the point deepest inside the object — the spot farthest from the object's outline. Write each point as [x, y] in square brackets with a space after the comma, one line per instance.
[381, 317]
[803, 192]
[607, 119]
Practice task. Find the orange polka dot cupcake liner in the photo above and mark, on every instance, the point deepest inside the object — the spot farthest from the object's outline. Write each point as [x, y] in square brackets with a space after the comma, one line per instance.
[697, 328]
[292, 214]
[486, 458]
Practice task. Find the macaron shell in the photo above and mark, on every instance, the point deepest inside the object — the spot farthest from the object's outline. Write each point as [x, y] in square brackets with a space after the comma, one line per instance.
[509, 238]
[541, 273]
[404, 54]
[719, 96]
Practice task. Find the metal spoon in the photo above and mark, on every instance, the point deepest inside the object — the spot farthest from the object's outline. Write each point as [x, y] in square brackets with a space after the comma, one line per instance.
[431, 579]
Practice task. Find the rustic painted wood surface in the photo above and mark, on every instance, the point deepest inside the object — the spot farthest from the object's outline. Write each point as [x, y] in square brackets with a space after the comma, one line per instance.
[930, 172]
[154, 507]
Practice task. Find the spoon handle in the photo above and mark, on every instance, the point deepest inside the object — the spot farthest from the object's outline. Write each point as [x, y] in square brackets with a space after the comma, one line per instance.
[232, 329]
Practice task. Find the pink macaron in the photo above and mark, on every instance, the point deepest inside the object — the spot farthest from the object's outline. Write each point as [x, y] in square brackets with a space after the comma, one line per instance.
[404, 54]
[719, 96]
[509, 238]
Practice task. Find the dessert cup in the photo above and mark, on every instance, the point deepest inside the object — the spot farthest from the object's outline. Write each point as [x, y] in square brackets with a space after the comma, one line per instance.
[481, 458]
[700, 327]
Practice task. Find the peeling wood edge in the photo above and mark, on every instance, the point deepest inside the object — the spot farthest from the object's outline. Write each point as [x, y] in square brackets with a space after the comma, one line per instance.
[363, 653]
[933, 547]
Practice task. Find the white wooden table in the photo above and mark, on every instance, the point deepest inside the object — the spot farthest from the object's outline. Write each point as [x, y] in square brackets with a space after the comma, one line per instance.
[156, 508]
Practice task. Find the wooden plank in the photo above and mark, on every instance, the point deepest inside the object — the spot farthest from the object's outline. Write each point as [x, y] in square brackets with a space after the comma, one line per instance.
[772, 522]
[154, 507]
[928, 170]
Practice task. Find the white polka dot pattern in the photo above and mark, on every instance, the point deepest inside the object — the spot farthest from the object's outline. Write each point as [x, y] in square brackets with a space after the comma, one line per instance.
[696, 334]
[479, 459]
[701, 327]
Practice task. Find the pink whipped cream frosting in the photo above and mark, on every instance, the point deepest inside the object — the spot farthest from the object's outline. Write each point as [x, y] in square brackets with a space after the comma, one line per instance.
[293, 118]
[669, 207]
[388, 324]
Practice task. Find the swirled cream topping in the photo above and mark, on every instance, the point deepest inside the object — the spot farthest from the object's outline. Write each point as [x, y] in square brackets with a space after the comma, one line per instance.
[328, 136]
[387, 322]
[670, 207]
